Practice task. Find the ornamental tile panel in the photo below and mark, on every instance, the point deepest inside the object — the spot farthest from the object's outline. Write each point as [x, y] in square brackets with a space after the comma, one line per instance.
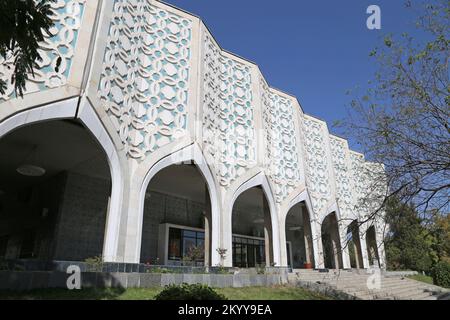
[145, 76]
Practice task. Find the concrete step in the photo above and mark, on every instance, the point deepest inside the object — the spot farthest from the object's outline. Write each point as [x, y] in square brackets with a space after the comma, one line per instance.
[355, 284]
[402, 292]
[430, 298]
[363, 296]
[359, 292]
[390, 287]
[407, 284]
[417, 296]
[336, 279]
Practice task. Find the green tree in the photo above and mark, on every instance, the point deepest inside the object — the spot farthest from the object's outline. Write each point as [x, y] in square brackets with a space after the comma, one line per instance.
[23, 25]
[440, 230]
[409, 244]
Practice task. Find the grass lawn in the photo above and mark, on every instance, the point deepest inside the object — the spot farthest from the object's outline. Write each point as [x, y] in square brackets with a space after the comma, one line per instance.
[422, 278]
[250, 293]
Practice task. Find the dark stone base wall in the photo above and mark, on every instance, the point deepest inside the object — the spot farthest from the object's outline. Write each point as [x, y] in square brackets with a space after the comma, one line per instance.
[81, 225]
[28, 280]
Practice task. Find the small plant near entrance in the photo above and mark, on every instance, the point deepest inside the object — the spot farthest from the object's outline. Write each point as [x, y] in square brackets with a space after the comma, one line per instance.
[221, 268]
[261, 269]
[158, 270]
[189, 292]
[4, 266]
[223, 254]
[194, 255]
[14, 266]
[94, 264]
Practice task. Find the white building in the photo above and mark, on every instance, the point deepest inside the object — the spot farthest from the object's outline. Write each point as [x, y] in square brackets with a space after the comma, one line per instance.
[155, 140]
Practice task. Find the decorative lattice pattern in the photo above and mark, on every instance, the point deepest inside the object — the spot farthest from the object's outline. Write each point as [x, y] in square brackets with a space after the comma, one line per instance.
[317, 170]
[281, 137]
[228, 116]
[145, 76]
[342, 175]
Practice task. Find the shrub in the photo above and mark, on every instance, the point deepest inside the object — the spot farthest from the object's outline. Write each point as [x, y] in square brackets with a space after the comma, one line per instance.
[261, 269]
[223, 270]
[189, 292]
[4, 266]
[94, 264]
[159, 270]
[441, 274]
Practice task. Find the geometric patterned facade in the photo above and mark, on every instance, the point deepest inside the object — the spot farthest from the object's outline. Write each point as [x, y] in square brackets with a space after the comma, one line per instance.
[159, 85]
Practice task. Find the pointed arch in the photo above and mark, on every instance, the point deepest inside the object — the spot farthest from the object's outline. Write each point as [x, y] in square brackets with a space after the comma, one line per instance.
[304, 197]
[189, 153]
[261, 180]
[81, 109]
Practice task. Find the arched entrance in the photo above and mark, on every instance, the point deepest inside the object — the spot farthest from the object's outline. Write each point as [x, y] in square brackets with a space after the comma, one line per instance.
[354, 245]
[252, 230]
[299, 237]
[331, 244]
[372, 247]
[177, 218]
[55, 192]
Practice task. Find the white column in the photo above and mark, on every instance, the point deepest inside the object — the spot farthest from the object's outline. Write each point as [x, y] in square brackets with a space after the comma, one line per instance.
[207, 217]
[344, 250]
[365, 257]
[319, 257]
[355, 249]
[226, 234]
[268, 235]
[306, 234]
[282, 234]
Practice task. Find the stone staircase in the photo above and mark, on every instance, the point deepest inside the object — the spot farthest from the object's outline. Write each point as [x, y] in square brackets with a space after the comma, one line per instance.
[359, 284]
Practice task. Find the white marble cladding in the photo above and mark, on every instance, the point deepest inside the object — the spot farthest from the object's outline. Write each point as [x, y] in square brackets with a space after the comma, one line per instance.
[318, 169]
[57, 51]
[145, 77]
[229, 138]
[343, 175]
[357, 167]
[282, 155]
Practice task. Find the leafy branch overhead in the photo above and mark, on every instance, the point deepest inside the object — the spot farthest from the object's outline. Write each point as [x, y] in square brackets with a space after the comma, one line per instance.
[403, 119]
[23, 26]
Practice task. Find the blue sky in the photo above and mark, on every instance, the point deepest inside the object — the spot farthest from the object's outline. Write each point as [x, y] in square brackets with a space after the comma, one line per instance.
[315, 50]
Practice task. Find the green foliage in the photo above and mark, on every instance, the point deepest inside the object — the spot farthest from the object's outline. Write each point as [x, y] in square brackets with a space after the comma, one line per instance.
[441, 274]
[223, 254]
[261, 269]
[194, 255]
[407, 246]
[4, 265]
[422, 278]
[415, 243]
[223, 270]
[18, 267]
[159, 270]
[402, 120]
[94, 264]
[22, 27]
[388, 41]
[440, 231]
[189, 292]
